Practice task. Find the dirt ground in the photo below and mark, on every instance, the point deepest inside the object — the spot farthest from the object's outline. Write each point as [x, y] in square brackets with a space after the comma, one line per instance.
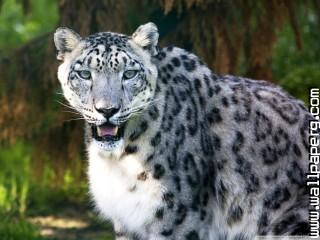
[72, 225]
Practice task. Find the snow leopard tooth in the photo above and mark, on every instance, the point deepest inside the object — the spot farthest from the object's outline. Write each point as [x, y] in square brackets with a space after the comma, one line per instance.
[99, 131]
[115, 131]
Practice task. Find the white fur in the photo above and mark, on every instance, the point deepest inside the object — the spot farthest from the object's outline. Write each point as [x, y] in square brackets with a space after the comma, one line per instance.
[146, 34]
[111, 178]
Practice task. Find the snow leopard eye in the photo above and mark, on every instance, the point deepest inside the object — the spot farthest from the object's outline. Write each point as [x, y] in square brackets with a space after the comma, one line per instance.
[85, 74]
[129, 74]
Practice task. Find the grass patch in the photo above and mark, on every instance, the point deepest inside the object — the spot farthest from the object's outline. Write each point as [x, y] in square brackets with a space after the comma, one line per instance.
[17, 228]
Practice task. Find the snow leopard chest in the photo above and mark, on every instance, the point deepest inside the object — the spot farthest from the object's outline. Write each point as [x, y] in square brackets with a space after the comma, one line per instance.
[123, 189]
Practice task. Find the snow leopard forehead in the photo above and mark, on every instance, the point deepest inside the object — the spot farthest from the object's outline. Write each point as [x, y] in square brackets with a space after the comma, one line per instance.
[107, 51]
[107, 39]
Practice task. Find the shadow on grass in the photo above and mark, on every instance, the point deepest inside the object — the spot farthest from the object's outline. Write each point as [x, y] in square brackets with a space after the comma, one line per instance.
[68, 224]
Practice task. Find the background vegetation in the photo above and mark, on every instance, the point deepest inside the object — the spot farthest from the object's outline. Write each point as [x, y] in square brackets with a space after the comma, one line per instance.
[41, 147]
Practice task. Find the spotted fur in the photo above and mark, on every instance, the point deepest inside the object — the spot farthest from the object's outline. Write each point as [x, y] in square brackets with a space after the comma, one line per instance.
[203, 156]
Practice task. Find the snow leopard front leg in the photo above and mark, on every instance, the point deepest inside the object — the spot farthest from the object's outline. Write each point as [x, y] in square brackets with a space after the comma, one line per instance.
[152, 231]
[119, 232]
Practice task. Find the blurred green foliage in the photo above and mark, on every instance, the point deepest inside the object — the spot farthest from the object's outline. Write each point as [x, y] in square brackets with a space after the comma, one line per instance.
[19, 188]
[297, 70]
[22, 194]
[19, 24]
[14, 177]
[13, 228]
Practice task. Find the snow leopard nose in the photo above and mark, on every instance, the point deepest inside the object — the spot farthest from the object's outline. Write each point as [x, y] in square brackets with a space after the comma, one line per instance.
[107, 112]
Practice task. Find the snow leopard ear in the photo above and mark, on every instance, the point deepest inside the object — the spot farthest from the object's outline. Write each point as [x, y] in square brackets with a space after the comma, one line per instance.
[146, 36]
[65, 40]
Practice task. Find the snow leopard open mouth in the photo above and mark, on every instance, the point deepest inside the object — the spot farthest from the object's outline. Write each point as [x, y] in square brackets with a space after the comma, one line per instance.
[107, 132]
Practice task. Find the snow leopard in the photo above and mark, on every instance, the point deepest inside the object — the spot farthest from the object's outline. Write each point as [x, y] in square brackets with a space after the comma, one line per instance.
[176, 151]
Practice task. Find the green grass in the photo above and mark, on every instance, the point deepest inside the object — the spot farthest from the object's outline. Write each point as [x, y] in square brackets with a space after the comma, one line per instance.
[28, 191]
[17, 228]
[14, 177]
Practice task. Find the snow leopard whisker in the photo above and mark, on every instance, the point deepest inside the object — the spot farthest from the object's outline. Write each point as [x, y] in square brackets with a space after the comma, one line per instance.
[74, 119]
[67, 106]
[77, 113]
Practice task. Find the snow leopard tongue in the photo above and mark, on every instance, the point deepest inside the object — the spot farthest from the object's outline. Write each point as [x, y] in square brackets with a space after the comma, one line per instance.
[107, 130]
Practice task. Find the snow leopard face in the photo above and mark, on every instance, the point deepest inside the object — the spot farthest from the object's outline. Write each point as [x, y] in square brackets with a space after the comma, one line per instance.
[108, 78]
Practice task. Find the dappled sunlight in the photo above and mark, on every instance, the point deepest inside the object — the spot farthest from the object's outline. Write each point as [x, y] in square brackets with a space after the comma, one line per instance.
[66, 227]
[59, 222]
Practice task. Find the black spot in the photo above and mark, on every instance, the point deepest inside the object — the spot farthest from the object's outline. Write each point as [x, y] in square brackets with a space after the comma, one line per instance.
[180, 214]
[131, 149]
[206, 141]
[169, 48]
[193, 235]
[269, 155]
[276, 197]
[195, 202]
[164, 80]
[189, 114]
[203, 215]
[190, 65]
[272, 176]
[283, 226]
[161, 55]
[301, 229]
[283, 143]
[89, 60]
[176, 180]
[139, 131]
[169, 199]
[295, 174]
[235, 214]
[242, 97]
[197, 85]
[156, 139]
[221, 194]
[263, 222]
[210, 92]
[238, 142]
[159, 171]
[176, 62]
[149, 158]
[192, 117]
[184, 57]
[216, 142]
[296, 150]
[154, 112]
[188, 160]
[262, 126]
[167, 232]
[214, 116]
[253, 183]
[180, 135]
[169, 66]
[160, 213]
[164, 69]
[172, 159]
[217, 89]
[225, 101]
